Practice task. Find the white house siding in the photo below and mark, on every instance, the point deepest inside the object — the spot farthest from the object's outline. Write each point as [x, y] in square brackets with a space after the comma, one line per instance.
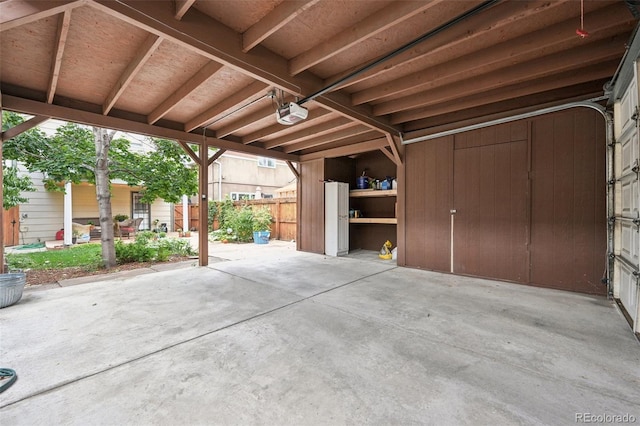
[162, 211]
[42, 216]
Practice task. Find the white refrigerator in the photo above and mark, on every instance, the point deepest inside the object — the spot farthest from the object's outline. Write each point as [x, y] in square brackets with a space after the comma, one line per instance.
[336, 218]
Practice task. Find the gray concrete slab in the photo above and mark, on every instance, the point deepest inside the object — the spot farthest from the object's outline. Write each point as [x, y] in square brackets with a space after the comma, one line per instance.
[308, 339]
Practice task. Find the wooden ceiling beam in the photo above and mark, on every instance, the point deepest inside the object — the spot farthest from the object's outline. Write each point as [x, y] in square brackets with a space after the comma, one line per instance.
[20, 12]
[358, 148]
[602, 23]
[246, 121]
[182, 6]
[144, 53]
[475, 28]
[581, 58]
[226, 106]
[370, 135]
[28, 106]
[569, 78]
[504, 109]
[203, 74]
[56, 61]
[380, 21]
[329, 137]
[284, 13]
[311, 131]
[209, 38]
[314, 114]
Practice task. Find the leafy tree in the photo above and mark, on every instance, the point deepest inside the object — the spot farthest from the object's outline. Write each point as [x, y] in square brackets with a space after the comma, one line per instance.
[76, 154]
[12, 186]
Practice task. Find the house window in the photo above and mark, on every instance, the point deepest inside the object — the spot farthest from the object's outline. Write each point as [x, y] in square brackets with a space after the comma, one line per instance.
[140, 209]
[266, 162]
[237, 196]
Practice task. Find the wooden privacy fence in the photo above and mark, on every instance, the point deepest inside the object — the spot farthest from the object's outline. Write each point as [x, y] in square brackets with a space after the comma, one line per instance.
[283, 211]
[178, 218]
[11, 226]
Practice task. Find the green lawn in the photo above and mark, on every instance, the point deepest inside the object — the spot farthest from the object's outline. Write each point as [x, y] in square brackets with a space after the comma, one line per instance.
[85, 255]
[146, 248]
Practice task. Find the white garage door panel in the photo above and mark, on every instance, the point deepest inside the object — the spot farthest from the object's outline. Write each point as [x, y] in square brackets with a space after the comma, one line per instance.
[629, 194]
[628, 289]
[629, 154]
[628, 105]
[629, 247]
[627, 204]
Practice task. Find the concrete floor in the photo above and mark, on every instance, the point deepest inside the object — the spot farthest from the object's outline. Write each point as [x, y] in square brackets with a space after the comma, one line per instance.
[275, 336]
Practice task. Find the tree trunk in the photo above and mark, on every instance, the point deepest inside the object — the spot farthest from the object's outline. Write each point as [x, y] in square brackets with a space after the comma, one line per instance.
[102, 140]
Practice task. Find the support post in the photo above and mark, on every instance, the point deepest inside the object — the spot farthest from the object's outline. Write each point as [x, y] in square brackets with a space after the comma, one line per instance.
[2, 271]
[68, 214]
[203, 182]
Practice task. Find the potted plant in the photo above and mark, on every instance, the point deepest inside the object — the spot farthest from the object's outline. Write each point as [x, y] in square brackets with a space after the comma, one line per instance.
[120, 217]
[261, 222]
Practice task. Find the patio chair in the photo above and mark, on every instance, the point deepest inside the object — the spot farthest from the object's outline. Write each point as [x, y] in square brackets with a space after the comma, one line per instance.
[129, 227]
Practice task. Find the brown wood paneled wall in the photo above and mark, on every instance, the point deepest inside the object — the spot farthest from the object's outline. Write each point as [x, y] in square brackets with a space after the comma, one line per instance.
[429, 195]
[311, 207]
[568, 218]
[530, 201]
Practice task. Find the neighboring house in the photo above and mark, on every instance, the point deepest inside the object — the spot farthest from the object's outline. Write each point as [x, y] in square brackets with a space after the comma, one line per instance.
[238, 176]
[234, 175]
[43, 216]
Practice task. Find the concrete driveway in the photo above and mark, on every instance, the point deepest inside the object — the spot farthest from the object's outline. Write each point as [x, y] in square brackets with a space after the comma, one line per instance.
[286, 337]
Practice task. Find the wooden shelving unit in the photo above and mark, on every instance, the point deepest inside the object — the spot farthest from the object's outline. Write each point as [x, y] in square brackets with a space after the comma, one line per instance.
[382, 220]
[358, 193]
[373, 193]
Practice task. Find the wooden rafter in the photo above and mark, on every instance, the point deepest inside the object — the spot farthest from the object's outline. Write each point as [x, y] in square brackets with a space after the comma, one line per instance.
[593, 53]
[358, 129]
[475, 28]
[212, 40]
[203, 74]
[20, 12]
[272, 22]
[226, 106]
[277, 127]
[556, 81]
[524, 48]
[144, 53]
[312, 131]
[374, 24]
[182, 6]
[56, 62]
[245, 121]
[22, 105]
[354, 149]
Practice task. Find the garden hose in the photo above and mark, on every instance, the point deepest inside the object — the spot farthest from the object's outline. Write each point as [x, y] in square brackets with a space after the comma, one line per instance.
[7, 378]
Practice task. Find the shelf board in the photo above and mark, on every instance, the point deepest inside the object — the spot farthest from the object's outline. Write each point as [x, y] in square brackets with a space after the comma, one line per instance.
[383, 220]
[355, 193]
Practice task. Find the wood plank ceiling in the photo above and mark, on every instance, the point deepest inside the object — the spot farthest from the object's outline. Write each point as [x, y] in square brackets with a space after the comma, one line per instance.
[195, 70]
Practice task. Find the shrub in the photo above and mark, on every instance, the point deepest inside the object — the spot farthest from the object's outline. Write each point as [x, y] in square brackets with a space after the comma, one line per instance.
[147, 248]
[262, 219]
[242, 223]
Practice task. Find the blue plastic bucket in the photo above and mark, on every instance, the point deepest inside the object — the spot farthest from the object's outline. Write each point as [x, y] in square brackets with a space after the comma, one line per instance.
[261, 237]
